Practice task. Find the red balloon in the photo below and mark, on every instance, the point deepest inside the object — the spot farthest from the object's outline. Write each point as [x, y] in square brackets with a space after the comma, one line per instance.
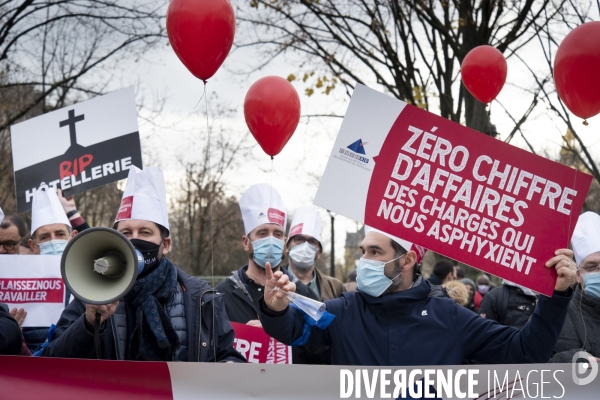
[201, 33]
[577, 70]
[483, 72]
[272, 112]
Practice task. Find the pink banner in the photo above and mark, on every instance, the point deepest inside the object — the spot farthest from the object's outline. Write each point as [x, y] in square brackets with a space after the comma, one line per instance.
[258, 347]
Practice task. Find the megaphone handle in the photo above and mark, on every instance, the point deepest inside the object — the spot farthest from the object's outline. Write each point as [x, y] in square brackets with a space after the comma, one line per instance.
[97, 334]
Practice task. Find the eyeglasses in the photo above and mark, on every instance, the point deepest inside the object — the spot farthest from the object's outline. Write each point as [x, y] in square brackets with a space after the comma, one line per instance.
[9, 245]
[299, 239]
[590, 268]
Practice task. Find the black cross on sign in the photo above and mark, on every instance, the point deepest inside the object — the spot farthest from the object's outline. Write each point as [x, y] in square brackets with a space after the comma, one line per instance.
[71, 121]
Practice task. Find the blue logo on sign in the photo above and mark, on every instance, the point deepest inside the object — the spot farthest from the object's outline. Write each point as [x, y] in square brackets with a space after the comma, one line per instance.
[358, 147]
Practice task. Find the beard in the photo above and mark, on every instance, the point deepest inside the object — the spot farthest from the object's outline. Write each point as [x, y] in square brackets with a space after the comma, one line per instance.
[396, 278]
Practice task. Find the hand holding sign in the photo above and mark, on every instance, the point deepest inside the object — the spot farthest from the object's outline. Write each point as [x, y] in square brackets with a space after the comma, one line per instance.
[565, 268]
[275, 299]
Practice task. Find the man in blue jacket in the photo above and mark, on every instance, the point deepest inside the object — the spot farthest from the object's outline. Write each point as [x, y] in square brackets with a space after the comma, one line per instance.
[392, 320]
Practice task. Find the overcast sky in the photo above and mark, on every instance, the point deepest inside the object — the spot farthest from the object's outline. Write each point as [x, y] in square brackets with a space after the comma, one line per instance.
[181, 128]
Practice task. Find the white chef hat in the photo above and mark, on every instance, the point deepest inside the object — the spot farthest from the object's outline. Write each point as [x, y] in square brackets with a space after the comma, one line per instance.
[586, 237]
[46, 209]
[145, 197]
[306, 221]
[262, 204]
[406, 245]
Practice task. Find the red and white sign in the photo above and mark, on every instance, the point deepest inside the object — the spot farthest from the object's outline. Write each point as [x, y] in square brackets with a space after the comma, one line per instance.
[258, 347]
[451, 189]
[276, 216]
[34, 283]
[125, 208]
[296, 230]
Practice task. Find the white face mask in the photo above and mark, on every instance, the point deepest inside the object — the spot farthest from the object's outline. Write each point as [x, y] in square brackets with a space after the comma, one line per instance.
[303, 255]
[53, 247]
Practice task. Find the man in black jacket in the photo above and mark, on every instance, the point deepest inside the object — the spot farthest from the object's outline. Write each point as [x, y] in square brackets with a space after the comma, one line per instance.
[264, 218]
[582, 327]
[168, 315]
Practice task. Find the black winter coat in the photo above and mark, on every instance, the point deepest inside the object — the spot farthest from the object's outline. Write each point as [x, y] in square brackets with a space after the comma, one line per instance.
[508, 305]
[202, 305]
[10, 333]
[578, 329]
[241, 308]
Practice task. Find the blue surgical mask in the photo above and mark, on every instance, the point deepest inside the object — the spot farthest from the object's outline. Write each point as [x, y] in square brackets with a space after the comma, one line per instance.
[269, 249]
[371, 278]
[53, 247]
[592, 284]
[303, 255]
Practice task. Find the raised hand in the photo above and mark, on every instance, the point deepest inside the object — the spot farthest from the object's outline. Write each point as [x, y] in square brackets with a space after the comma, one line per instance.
[275, 299]
[68, 203]
[19, 315]
[565, 268]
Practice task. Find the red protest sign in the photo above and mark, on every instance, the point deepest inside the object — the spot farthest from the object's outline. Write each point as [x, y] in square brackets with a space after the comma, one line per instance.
[453, 190]
[31, 290]
[258, 347]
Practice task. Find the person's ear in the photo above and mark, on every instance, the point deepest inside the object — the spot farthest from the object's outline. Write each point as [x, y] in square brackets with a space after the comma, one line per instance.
[166, 245]
[411, 259]
[74, 233]
[35, 249]
[579, 278]
[246, 243]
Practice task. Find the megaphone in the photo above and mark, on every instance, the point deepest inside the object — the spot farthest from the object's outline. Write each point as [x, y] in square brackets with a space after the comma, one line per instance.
[100, 265]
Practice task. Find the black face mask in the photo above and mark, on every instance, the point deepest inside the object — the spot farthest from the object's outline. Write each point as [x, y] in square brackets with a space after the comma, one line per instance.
[150, 252]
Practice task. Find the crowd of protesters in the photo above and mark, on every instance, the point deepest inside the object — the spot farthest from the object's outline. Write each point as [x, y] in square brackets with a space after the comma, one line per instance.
[387, 302]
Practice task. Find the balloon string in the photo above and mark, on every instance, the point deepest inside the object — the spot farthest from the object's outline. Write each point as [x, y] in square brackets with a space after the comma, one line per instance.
[272, 171]
[489, 121]
[199, 100]
[210, 212]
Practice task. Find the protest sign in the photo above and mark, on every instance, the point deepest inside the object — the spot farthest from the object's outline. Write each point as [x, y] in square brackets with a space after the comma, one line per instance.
[258, 347]
[34, 283]
[76, 148]
[451, 189]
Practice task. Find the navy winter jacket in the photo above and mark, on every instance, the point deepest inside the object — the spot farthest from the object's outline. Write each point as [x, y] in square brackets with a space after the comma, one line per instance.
[410, 328]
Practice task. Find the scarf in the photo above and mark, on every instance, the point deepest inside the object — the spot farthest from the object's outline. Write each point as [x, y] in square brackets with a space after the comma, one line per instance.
[153, 337]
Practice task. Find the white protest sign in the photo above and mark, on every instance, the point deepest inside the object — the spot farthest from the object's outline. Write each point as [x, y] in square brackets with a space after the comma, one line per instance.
[76, 148]
[34, 283]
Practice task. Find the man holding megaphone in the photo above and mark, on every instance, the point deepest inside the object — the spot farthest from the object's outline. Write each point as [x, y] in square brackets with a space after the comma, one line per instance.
[148, 310]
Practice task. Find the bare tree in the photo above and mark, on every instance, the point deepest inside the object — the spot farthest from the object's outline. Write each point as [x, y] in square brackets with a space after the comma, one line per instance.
[412, 48]
[206, 222]
[574, 152]
[57, 45]
[57, 52]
